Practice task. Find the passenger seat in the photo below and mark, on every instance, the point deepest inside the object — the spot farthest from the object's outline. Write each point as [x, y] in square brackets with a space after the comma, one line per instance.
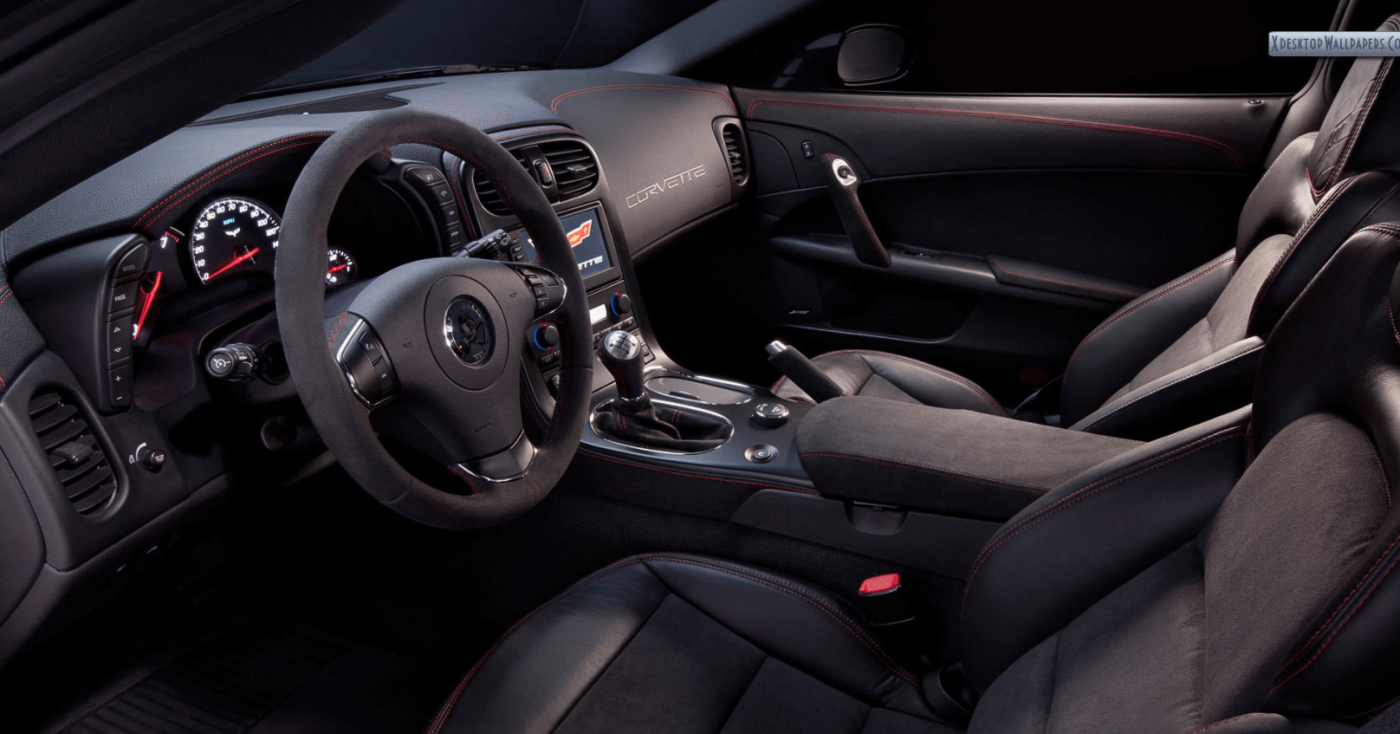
[1188, 350]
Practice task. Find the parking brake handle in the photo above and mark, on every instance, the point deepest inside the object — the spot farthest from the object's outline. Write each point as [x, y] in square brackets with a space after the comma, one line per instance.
[796, 367]
[843, 181]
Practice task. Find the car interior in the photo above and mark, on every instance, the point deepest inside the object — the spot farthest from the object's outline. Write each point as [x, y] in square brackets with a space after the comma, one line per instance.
[711, 366]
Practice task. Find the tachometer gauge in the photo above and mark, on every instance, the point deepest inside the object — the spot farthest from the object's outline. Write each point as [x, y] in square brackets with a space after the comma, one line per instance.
[340, 268]
[233, 235]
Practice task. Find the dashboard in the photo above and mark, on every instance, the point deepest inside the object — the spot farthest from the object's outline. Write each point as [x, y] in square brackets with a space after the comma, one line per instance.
[153, 384]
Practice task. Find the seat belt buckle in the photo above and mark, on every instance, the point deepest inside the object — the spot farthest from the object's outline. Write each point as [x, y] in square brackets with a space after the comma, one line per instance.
[892, 618]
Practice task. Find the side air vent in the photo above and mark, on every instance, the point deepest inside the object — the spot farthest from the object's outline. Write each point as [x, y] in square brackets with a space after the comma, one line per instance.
[736, 152]
[74, 452]
[575, 171]
[487, 194]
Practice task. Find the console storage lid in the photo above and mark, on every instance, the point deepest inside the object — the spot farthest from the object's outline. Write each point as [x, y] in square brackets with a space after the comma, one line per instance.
[950, 462]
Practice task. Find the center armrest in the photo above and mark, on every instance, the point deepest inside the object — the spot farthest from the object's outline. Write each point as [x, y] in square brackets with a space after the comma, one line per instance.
[950, 462]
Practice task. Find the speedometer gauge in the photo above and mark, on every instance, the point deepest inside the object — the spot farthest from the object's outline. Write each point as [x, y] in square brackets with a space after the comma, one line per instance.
[233, 235]
[341, 267]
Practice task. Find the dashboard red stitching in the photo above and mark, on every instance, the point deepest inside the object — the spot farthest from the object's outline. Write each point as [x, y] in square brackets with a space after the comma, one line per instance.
[234, 161]
[554, 106]
[1225, 148]
[221, 174]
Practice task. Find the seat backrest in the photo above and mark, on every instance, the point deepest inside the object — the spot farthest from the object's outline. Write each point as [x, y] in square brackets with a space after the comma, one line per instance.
[1279, 603]
[1181, 352]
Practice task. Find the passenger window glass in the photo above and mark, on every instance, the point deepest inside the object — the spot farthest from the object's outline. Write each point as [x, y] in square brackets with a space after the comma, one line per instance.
[1038, 47]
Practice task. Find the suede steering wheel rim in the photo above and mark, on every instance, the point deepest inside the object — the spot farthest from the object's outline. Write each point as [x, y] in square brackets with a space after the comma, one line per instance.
[464, 411]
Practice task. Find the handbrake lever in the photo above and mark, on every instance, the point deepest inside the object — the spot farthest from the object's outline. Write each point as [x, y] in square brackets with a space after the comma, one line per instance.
[843, 181]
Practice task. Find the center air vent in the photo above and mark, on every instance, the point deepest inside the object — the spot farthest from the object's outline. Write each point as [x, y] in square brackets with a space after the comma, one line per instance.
[73, 451]
[736, 151]
[486, 193]
[574, 167]
[575, 171]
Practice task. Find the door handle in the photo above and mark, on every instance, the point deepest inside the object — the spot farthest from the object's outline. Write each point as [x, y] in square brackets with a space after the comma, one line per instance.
[843, 182]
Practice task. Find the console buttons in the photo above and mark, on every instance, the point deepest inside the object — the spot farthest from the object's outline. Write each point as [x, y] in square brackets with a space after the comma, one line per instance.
[770, 415]
[118, 339]
[545, 337]
[119, 385]
[133, 264]
[761, 453]
[123, 297]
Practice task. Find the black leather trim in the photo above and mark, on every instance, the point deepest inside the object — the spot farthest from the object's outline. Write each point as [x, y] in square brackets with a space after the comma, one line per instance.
[857, 372]
[1029, 582]
[1027, 274]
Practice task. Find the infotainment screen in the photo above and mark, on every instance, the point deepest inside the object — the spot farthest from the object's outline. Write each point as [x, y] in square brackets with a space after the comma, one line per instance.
[586, 237]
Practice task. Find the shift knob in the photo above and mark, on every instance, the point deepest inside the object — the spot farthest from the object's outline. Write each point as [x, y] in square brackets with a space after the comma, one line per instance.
[621, 353]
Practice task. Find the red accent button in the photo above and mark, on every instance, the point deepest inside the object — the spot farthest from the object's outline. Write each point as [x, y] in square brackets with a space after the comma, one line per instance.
[879, 584]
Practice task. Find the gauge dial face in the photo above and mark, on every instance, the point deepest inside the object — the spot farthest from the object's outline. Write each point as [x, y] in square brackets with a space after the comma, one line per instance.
[341, 268]
[234, 235]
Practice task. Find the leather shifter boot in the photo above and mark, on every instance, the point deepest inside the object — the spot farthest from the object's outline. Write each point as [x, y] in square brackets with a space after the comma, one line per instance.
[632, 418]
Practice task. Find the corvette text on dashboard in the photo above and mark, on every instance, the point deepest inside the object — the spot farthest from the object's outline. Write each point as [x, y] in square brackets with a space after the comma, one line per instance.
[655, 189]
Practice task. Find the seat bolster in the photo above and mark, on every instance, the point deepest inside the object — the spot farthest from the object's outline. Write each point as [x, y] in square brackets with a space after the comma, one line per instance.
[1117, 349]
[1090, 535]
[1199, 391]
[859, 371]
[530, 680]
[801, 625]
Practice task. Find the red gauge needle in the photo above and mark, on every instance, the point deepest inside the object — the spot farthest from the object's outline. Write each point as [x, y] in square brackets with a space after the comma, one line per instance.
[236, 261]
[338, 268]
[146, 307]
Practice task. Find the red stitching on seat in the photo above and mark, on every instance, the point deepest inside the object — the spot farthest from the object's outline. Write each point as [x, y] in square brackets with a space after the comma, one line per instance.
[922, 468]
[1080, 286]
[915, 363]
[1017, 117]
[1338, 610]
[8, 291]
[771, 582]
[1134, 307]
[704, 477]
[554, 106]
[1122, 475]
[1354, 133]
[1293, 245]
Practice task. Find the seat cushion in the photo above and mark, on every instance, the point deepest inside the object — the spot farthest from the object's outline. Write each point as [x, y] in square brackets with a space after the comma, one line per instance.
[676, 643]
[893, 377]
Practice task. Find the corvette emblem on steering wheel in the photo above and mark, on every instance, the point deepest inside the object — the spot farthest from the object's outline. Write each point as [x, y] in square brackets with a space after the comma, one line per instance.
[468, 331]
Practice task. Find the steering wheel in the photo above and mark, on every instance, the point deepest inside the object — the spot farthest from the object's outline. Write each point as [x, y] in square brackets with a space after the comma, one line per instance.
[430, 354]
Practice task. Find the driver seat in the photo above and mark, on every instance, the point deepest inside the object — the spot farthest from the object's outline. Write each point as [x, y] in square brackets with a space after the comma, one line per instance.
[1170, 594]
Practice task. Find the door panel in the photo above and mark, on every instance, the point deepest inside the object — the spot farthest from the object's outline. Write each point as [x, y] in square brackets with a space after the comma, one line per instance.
[1016, 223]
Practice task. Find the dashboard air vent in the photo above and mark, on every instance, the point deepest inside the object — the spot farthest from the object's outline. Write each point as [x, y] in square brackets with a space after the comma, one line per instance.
[736, 152]
[74, 452]
[575, 171]
[487, 194]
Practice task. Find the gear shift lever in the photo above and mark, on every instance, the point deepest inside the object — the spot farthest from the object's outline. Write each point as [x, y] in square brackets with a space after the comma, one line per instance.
[632, 417]
[621, 353]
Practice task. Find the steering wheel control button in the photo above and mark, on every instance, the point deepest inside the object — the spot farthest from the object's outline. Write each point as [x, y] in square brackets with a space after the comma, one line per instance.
[761, 453]
[548, 290]
[468, 331]
[133, 264]
[770, 415]
[366, 366]
[119, 385]
[119, 339]
[234, 363]
[123, 297]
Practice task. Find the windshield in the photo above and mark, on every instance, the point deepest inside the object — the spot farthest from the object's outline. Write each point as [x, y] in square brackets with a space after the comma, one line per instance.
[421, 36]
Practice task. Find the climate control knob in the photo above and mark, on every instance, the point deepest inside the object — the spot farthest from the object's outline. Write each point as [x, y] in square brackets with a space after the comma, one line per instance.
[620, 305]
[545, 336]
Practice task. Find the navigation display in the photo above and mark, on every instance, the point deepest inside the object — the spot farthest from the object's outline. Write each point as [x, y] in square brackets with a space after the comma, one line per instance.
[586, 237]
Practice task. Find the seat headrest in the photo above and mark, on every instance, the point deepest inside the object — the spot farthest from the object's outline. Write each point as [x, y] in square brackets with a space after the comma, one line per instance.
[1359, 132]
